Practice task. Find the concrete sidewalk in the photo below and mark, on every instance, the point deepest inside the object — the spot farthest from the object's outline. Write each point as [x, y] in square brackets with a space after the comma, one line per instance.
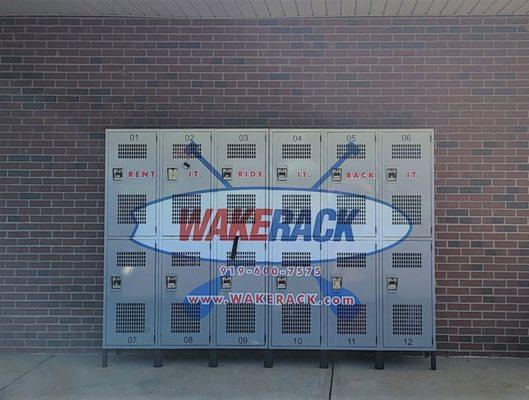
[241, 376]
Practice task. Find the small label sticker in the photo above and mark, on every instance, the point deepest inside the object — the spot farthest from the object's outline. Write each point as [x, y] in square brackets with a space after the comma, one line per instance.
[172, 173]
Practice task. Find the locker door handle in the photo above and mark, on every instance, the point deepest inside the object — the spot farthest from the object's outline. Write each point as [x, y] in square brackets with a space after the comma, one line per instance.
[234, 248]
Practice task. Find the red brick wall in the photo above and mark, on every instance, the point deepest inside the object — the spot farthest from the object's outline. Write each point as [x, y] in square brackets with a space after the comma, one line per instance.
[63, 81]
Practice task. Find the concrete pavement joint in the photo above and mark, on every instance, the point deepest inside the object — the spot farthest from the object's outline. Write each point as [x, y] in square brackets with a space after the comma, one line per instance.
[27, 372]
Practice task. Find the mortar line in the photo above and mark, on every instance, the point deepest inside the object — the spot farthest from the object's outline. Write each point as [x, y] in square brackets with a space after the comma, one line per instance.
[27, 372]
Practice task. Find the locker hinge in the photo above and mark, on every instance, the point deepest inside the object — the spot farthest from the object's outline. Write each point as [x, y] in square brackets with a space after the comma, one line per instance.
[376, 339]
[375, 230]
[431, 230]
[155, 229]
[210, 338]
[321, 340]
[430, 137]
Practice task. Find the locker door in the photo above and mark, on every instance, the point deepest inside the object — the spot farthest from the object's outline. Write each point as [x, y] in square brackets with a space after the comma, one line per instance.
[185, 272]
[129, 289]
[131, 182]
[355, 176]
[295, 168]
[295, 322]
[183, 175]
[241, 322]
[407, 183]
[407, 295]
[350, 269]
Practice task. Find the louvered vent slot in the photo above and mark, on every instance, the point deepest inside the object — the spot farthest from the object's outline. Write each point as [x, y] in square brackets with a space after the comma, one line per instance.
[132, 150]
[186, 209]
[346, 204]
[351, 319]
[410, 205]
[130, 318]
[351, 260]
[240, 318]
[186, 150]
[295, 319]
[129, 204]
[407, 319]
[296, 151]
[185, 318]
[242, 259]
[358, 152]
[185, 259]
[241, 208]
[130, 259]
[407, 260]
[240, 150]
[295, 259]
[406, 151]
[296, 208]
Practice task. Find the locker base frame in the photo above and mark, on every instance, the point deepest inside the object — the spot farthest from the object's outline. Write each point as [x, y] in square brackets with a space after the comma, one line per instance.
[268, 358]
[379, 360]
[324, 359]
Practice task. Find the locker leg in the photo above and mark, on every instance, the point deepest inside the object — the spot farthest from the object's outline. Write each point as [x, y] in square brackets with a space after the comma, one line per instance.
[324, 359]
[379, 360]
[268, 358]
[104, 358]
[157, 358]
[433, 361]
[213, 358]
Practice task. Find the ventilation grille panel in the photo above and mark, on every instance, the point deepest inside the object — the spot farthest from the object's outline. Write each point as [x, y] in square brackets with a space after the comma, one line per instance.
[406, 151]
[296, 151]
[132, 150]
[240, 318]
[240, 150]
[130, 318]
[241, 208]
[185, 259]
[354, 260]
[130, 259]
[181, 150]
[351, 319]
[242, 259]
[407, 319]
[409, 204]
[359, 151]
[186, 209]
[185, 318]
[345, 204]
[407, 260]
[127, 203]
[295, 259]
[296, 319]
[296, 208]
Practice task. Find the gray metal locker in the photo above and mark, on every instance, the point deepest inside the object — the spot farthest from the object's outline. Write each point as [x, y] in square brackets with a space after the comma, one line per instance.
[356, 176]
[407, 183]
[407, 304]
[241, 322]
[185, 275]
[131, 182]
[185, 179]
[129, 294]
[351, 272]
[295, 322]
[242, 161]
